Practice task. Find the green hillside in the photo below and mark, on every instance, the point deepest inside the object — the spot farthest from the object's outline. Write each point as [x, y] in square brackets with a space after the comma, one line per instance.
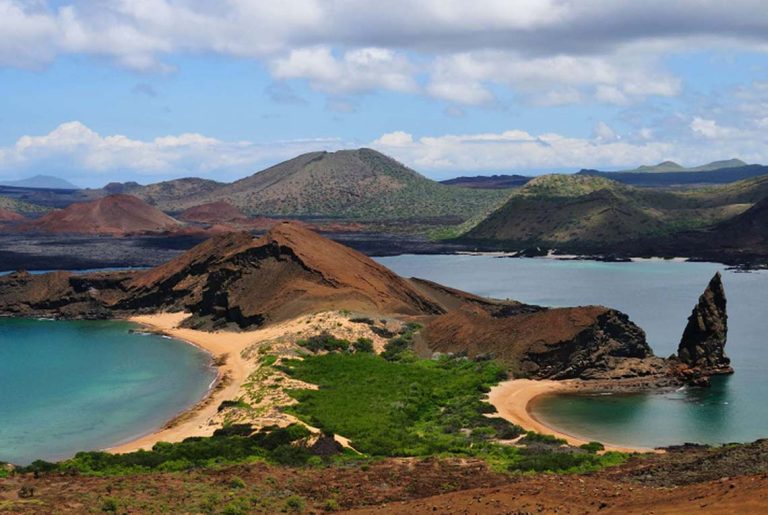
[21, 207]
[578, 210]
[360, 184]
[671, 166]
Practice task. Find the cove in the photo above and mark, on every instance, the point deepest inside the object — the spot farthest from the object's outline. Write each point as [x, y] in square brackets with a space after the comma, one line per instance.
[68, 386]
[658, 295]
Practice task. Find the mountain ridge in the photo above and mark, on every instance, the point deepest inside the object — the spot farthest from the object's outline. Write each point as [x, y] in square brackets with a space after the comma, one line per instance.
[41, 182]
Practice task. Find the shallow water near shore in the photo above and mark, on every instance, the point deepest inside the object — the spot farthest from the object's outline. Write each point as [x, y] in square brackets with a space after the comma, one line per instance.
[67, 386]
[658, 295]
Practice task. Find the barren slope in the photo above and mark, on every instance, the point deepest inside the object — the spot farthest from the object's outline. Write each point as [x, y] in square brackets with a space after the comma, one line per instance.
[115, 215]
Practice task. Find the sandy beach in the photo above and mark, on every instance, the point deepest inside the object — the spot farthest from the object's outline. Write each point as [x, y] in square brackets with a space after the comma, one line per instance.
[232, 372]
[226, 348]
[512, 399]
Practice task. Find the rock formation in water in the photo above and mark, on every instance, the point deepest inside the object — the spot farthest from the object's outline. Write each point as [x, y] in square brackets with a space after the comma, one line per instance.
[701, 352]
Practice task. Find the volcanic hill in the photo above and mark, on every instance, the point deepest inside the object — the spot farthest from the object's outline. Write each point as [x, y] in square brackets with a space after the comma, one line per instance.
[359, 184]
[114, 215]
[589, 214]
[558, 209]
[9, 216]
[213, 213]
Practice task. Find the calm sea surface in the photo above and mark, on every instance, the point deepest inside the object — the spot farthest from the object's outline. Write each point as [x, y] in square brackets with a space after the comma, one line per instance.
[658, 296]
[67, 386]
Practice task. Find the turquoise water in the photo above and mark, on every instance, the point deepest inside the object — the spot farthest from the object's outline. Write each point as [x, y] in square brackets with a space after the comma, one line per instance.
[67, 386]
[658, 296]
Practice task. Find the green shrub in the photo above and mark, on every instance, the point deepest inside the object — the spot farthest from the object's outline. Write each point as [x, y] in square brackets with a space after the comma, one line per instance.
[236, 507]
[237, 482]
[295, 503]
[331, 505]
[399, 347]
[533, 437]
[268, 360]
[593, 447]
[109, 505]
[324, 342]
[363, 345]
[281, 445]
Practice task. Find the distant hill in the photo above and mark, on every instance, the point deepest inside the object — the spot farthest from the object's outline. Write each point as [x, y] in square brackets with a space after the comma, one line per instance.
[747, 231]
[9, 216]
[556, 209]
[41, 181]
[174, 195]
[352, 184]
[583, 211]
[671, 166]
[213, 213]
[488, 182]
[115, 215]
[20, 207]
[688, 177]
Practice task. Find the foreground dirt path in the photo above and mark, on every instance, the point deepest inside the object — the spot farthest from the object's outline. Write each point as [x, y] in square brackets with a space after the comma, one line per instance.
[512, 399]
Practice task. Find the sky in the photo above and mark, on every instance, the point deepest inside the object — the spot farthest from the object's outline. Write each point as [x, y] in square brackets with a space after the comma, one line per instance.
[149, 90]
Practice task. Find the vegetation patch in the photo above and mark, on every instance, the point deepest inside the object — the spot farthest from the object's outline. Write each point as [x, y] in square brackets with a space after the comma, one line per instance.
[285, 446]
[422, 408]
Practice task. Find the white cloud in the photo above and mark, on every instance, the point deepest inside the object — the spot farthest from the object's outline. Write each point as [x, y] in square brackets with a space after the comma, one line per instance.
[83, 155]
[355, 71]
[75, 150]
[617, 78]
[604, 132]
[519, 151]
[394, 139]
[550, 52]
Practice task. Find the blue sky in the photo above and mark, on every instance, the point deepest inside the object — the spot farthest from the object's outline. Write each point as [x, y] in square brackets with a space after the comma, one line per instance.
[148, 90]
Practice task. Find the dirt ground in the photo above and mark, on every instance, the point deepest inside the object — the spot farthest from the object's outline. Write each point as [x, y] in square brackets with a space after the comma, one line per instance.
[643, 485]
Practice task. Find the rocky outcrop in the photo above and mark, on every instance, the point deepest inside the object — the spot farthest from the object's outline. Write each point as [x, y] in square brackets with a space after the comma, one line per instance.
[590, 342]
[701, 352]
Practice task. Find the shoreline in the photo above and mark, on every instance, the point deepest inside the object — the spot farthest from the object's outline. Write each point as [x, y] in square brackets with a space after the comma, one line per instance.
[232, 371]
[513, 400]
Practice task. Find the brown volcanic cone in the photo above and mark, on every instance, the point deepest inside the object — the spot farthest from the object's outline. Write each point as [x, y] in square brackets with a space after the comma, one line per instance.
[116, 215]
[213, 213]
[288, 272]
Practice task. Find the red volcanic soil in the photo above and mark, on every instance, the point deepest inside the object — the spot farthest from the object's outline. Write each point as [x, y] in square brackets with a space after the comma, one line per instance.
[9, 216]
[288, 272]
[213, 213]
[115, 215]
